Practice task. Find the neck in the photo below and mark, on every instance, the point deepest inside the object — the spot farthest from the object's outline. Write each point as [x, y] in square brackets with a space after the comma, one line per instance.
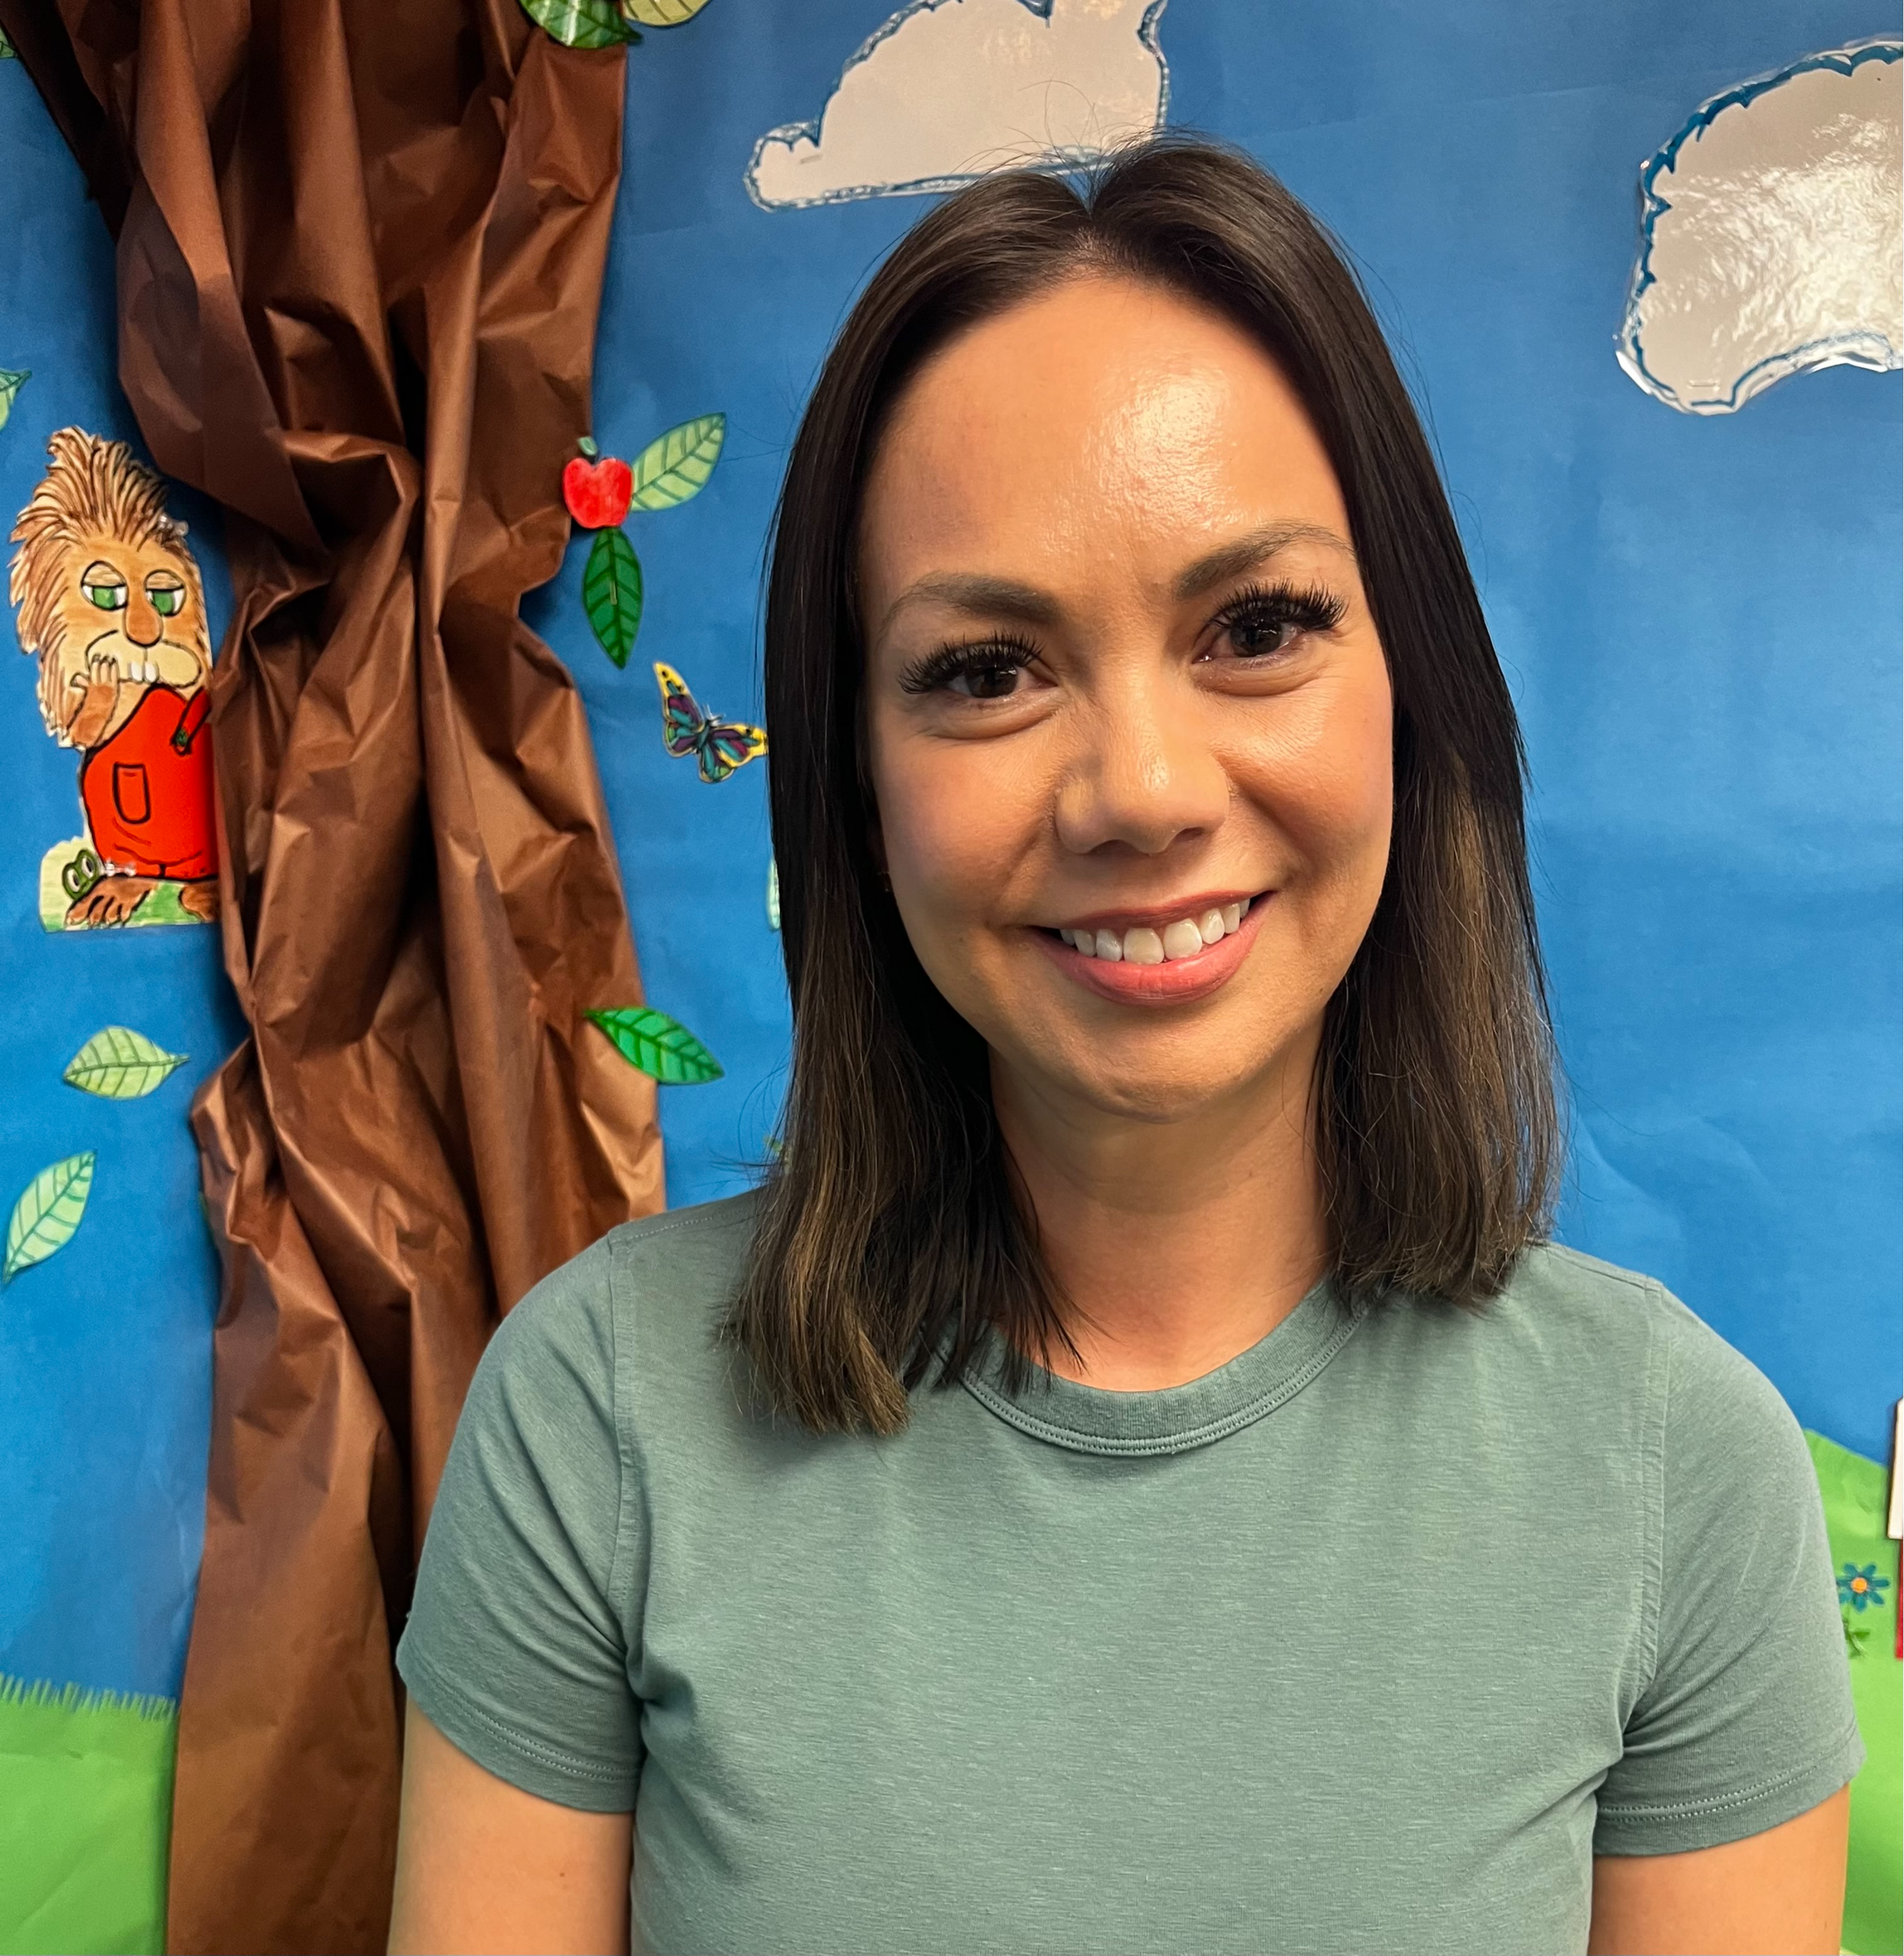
[1176, 1243]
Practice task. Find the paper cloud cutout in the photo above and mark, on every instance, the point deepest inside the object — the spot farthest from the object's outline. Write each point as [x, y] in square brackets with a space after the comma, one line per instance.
[1772, 235]
[947, 90]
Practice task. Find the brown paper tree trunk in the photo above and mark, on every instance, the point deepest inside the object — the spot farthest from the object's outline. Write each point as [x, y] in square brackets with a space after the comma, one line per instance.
[360, 247]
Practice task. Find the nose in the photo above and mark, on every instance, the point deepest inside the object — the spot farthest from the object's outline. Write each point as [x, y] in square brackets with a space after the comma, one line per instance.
[1147, 776]
[143, 625]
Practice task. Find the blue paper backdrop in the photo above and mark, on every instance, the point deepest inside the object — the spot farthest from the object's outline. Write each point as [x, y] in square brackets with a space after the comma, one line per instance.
[106, 1348]
[1699, 618]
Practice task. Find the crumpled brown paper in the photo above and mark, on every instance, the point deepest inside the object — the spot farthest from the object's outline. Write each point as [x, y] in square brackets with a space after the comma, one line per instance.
[360, 247]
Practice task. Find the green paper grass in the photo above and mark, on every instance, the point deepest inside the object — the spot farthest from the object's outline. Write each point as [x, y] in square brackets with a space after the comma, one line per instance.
[85, 1819]
[1854, 1490]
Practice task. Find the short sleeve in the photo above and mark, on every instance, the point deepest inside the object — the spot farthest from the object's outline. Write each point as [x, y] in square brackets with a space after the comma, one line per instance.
[1746, 1720]
[515, 1649]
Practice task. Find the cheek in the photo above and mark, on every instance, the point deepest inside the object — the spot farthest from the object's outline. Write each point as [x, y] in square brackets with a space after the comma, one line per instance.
[1326, 778]
[953, 816]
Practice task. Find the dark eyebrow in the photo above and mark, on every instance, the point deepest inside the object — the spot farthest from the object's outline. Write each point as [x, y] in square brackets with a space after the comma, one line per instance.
[983, 597]
[1002, 597]
[1233, 559]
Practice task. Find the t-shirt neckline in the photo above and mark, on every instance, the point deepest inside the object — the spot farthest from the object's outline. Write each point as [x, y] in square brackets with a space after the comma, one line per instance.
[1090, 1420]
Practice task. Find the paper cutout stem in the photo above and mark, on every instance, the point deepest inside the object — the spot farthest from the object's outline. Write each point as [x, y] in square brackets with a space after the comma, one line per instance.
[46, 1215]
[658, 1045]
[118, 1063]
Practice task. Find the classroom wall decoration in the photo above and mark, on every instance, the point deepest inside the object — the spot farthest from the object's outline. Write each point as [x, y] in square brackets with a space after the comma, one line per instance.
[945, 89]
[108, 1286]
[220, 1446]
[466, 758]
[108, 597]
[1770, 239]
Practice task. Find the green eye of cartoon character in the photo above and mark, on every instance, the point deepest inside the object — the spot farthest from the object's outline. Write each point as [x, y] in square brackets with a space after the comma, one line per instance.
[104, 586]
[167, 593]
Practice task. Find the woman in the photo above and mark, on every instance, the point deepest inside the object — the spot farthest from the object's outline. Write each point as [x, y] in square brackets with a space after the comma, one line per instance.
[1135, 1477]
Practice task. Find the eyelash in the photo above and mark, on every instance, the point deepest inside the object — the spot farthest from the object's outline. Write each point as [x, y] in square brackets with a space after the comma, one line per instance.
[1308, 606]
[1001, 651]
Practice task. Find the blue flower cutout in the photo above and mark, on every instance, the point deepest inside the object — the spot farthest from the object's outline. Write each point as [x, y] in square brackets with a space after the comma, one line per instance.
[1858, 1587]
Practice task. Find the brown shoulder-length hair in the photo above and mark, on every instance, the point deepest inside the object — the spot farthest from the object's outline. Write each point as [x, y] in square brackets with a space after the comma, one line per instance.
[892, 1234]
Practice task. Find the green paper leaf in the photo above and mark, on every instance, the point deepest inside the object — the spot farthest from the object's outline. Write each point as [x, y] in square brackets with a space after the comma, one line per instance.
[676, 465]
[659, 1045]
[9, 52]
[11, 383]
[662, 12]
[611, 594]
[47, 1213]
[581, 24]
[118, 1064]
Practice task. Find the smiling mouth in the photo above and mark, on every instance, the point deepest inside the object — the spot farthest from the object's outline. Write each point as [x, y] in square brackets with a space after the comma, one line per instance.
[1184, 937]
[1159, 960]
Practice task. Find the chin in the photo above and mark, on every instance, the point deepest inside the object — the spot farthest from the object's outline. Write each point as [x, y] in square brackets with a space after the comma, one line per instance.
[1164, 1085]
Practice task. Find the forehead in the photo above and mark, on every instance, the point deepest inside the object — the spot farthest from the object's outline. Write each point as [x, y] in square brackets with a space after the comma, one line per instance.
[1106, 428]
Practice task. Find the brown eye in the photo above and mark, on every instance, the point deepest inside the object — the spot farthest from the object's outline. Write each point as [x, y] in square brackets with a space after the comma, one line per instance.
[1265, 619]
[993, 681]
[1253, 636]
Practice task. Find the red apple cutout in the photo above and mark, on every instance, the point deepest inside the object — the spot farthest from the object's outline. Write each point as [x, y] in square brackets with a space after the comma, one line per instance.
[596, 487]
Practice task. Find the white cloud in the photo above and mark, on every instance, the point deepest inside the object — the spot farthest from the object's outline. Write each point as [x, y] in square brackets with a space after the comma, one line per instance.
[1772, 235]
[947, 90]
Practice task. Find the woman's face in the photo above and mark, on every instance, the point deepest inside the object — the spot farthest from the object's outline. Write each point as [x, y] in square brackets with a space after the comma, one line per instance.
[1128, 720]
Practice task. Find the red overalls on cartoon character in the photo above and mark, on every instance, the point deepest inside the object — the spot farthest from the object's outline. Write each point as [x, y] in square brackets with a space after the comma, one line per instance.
[147, 791]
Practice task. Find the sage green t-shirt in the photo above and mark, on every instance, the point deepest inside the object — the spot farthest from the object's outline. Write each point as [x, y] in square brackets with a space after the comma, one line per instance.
[1370, 1640]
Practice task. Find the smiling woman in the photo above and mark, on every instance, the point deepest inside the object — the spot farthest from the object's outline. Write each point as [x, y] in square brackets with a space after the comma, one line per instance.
[966, 1542]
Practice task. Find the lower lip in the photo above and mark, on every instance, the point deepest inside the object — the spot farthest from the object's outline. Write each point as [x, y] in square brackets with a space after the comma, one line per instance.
[1178, 981]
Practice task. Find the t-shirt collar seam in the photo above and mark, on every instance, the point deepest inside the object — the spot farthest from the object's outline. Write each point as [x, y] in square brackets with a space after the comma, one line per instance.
[1078, 1440]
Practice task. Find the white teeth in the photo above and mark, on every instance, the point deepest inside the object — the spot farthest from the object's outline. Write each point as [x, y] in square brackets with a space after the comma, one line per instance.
[1140, 944]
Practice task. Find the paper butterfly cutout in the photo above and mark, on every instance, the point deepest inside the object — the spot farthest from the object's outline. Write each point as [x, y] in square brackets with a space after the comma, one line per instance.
[718, 746]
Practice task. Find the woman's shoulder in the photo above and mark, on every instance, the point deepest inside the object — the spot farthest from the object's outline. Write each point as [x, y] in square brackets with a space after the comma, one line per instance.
[646, 1300]
[1593, 1320]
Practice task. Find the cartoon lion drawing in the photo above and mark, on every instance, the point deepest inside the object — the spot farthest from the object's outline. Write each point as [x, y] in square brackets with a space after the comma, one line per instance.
[109, 600]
